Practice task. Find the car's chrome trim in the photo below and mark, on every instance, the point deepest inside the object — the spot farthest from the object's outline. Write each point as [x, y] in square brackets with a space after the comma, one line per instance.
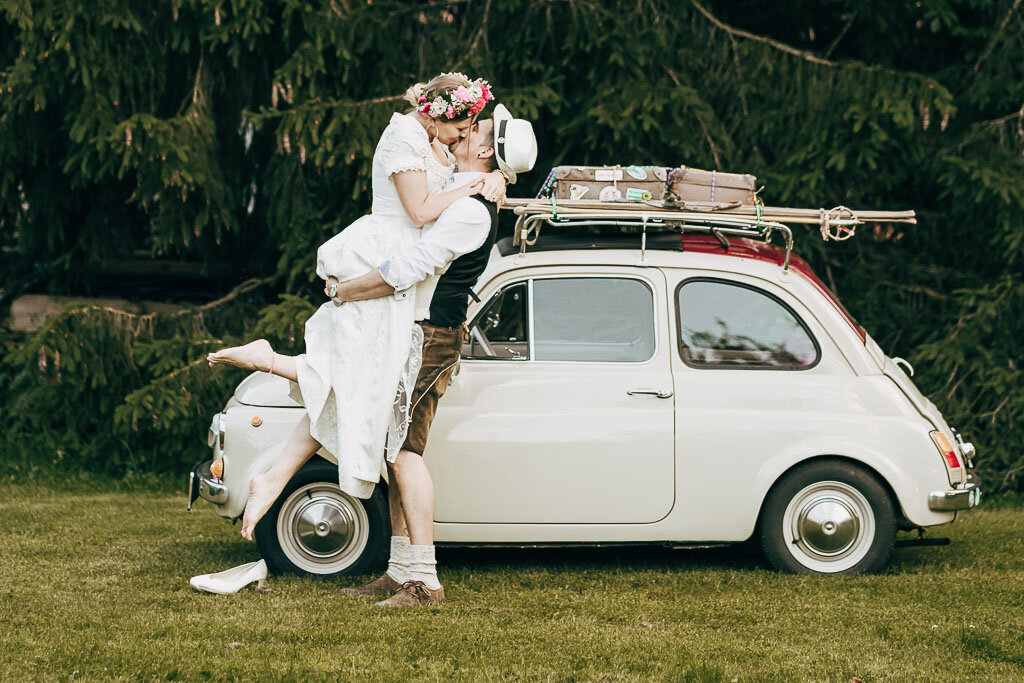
[192, 492]
[210, 488]
[967, 495]
[967, 449]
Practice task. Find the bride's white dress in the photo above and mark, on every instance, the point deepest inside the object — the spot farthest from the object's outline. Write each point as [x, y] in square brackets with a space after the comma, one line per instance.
[362, 358]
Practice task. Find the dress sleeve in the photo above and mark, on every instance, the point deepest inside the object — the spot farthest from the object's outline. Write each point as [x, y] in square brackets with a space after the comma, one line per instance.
[404, 148]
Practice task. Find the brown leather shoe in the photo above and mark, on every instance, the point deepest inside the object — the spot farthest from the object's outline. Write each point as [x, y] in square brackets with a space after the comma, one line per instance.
[413, 594]
[382, 585]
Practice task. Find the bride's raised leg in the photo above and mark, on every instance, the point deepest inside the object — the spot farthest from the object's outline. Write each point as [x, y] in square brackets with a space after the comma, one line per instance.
[256, 355]
[265, 488]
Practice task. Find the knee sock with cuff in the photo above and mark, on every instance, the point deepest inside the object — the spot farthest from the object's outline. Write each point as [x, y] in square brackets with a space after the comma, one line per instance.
[424, 566]
[400, 560]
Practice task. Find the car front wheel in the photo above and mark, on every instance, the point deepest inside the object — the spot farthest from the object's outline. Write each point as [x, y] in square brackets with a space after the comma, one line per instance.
[828, 517]
[315, 529]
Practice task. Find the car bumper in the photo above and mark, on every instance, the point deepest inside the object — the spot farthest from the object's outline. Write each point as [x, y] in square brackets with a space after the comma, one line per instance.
[966, 496]
[203, 484]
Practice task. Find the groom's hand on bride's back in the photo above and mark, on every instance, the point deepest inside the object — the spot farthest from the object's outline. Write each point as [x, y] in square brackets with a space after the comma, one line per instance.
[328, 284]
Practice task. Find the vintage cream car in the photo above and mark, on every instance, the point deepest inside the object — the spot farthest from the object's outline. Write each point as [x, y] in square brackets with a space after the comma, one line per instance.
[701, 390]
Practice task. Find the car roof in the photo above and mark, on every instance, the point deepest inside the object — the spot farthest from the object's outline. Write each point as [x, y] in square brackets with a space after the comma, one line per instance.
[738, 247]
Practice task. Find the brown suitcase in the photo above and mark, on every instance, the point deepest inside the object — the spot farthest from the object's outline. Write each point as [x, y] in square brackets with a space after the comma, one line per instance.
[610, 183]
[696, 185]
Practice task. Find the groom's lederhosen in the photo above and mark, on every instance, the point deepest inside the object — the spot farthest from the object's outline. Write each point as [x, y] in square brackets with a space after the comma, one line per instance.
[443, 334]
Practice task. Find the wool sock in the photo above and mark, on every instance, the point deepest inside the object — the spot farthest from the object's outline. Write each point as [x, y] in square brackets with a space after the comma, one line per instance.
[424, 566]
[398, 563]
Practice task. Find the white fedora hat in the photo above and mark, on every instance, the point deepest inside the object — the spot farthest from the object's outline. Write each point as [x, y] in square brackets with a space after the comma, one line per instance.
[515, 145]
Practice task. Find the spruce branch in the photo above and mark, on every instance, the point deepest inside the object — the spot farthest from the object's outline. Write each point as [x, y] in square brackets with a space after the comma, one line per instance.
[481, 33]
[807, 55]
[803, 54]
[842, 34]
[171, 375]
[993, 124]
[700, 120]
[997, 35]
[246, 286]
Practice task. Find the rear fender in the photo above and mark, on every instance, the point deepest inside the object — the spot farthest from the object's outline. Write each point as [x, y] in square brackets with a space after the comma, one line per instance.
[909, 485]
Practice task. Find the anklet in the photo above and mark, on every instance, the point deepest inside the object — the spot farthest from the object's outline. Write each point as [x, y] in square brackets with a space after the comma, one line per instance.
[273, 357]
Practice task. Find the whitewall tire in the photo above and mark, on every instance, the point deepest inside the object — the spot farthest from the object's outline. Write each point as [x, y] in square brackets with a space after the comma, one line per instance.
[315, 529]
[828, 517]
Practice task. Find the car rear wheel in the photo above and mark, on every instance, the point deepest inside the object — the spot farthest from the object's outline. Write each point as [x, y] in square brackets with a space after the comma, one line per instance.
[315, 529]
[828, 517]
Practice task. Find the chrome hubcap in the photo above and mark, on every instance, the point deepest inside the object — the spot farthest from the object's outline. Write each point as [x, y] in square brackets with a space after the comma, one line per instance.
[829, 526]
[323, 526]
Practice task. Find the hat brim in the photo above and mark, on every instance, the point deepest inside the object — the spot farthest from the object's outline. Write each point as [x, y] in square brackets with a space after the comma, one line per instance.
[502, 114]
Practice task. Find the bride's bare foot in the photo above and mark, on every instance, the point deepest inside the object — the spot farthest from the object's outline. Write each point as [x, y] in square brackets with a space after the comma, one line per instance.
[253, 356]
[261, 497]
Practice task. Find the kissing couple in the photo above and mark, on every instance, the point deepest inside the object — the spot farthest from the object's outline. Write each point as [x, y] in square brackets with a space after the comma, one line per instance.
[382, 350]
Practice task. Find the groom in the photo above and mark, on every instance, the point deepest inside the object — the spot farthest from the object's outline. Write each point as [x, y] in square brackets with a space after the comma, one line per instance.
[459, 245]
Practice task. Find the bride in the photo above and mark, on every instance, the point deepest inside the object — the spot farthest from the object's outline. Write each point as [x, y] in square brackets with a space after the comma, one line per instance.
[362, 358]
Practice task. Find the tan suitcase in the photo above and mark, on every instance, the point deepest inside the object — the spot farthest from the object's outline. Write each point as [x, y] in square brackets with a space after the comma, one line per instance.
[610, 183]
[696, 185]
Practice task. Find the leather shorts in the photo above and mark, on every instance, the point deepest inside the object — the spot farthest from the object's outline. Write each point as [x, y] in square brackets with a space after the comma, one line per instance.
[441, 349]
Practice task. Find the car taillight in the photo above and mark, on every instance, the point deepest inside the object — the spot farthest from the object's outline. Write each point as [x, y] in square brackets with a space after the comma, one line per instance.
[217, 468]
[946, 448]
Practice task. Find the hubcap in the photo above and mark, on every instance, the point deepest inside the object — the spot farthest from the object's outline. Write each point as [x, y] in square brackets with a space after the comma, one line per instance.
[323, 526]
[829, 526]
[322, 530]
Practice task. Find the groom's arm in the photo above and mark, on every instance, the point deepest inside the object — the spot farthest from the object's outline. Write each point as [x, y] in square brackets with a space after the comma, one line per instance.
[462, 228]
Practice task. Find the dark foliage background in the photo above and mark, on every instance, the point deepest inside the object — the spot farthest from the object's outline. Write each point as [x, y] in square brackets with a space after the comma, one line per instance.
[239, 133]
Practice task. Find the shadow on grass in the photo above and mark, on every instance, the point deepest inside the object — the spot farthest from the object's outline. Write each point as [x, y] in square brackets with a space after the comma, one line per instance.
[979, 645]
[739, 557]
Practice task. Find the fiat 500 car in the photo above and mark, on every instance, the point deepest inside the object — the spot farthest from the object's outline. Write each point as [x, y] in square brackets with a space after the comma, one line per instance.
[694, 393]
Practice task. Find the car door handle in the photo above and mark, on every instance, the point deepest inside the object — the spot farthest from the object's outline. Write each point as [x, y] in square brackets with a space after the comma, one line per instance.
[660, 393]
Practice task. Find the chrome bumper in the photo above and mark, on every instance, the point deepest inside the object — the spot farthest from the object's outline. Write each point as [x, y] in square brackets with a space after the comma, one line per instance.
[967, 496]
[202, 484]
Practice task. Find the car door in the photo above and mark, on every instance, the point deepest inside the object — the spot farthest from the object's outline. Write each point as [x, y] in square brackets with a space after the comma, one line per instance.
[540, 425]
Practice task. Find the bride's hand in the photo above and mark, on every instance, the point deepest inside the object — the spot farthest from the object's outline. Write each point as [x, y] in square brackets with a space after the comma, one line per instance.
[493, 187]
[475, 187]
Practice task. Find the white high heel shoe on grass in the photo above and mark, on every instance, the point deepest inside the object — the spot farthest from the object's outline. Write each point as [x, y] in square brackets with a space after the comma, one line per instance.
[231, 580]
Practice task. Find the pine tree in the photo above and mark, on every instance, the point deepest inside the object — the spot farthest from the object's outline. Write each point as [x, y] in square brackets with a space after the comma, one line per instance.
[240, 134]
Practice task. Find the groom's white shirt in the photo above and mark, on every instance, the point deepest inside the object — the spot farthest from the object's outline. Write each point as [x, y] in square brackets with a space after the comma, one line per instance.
[461, 228]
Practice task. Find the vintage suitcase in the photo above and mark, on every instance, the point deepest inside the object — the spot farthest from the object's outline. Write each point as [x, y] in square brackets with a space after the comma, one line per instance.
[609, 183]
[687, 184]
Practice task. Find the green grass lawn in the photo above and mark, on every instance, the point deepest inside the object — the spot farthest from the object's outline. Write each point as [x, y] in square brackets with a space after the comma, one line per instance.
[95, 585]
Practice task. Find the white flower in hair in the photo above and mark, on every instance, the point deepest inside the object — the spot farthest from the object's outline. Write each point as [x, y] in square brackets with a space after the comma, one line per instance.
[438, 107]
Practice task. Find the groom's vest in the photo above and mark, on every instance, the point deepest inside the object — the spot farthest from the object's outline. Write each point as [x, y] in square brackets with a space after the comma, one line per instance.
[451, 298]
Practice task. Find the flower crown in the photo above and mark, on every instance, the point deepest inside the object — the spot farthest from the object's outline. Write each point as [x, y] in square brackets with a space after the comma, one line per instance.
[471, 95]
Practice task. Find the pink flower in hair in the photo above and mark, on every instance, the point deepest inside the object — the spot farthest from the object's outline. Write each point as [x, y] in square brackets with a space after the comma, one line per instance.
[478, 106]
[451, 112]
[486, 92]
[462, 94]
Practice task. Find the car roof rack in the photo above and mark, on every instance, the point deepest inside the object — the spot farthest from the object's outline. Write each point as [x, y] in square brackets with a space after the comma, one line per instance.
[720, 220]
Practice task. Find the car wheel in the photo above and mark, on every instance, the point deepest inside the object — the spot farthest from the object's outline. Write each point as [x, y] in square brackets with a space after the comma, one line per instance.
[315, 529]
[828, 517]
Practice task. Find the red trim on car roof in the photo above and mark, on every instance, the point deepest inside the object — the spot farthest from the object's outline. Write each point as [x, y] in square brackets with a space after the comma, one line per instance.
[742, 247]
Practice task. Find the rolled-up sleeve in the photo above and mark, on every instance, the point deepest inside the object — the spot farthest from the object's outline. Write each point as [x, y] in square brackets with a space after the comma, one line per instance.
[462, 227]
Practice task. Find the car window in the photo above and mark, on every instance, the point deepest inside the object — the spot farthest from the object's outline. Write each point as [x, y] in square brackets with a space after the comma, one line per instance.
[593, 319]
[725, 324]
[499, 331]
